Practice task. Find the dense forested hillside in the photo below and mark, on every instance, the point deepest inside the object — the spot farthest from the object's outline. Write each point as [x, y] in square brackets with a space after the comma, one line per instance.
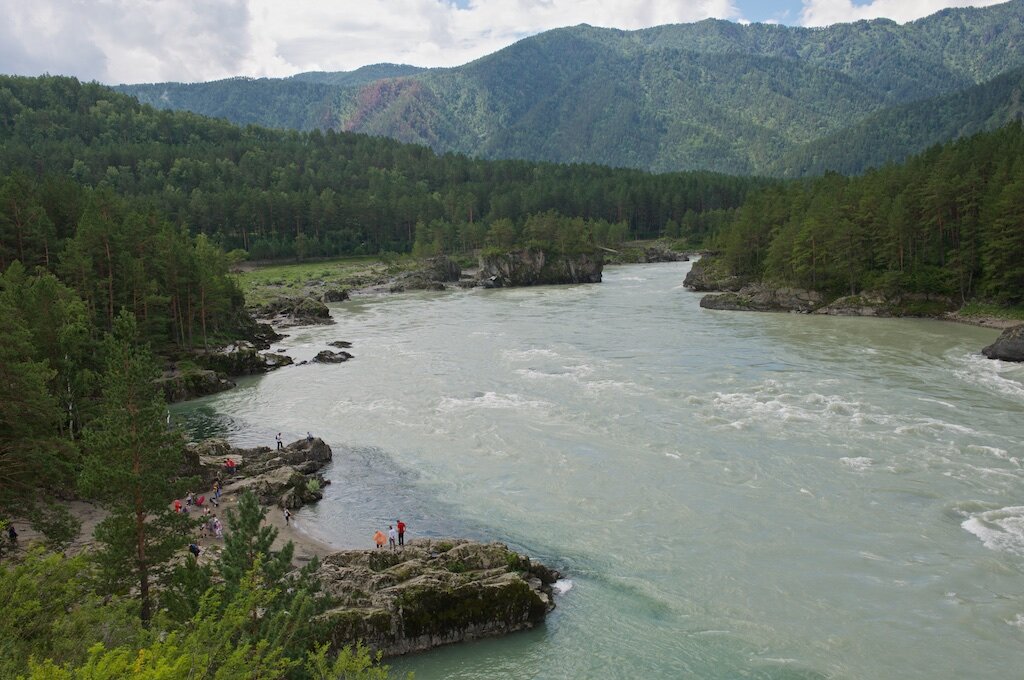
[948, 222]
[898, 132]
[279, 193]
[712, 95]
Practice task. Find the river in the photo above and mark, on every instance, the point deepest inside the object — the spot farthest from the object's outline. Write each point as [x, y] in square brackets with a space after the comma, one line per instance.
[729, 495]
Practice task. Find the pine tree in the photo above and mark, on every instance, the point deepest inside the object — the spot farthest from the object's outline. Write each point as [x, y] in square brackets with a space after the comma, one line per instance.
[132, 467]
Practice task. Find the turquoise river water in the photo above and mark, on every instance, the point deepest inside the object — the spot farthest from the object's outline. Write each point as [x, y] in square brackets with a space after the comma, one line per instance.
[728, 495]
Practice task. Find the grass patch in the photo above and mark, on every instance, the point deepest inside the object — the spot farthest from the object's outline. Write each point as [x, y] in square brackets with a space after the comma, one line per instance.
[972, 309]
[265, 282]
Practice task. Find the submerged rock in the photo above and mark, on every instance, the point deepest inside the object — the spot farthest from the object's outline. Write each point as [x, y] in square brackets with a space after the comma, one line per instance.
[432, 593]
[1009, 346]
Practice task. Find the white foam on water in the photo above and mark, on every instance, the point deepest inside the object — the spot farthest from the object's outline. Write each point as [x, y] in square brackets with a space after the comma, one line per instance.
[1017, 621]
[489, 400]
[860, 463]
[936, 401]
[992, 375]
[932, 425]
[1002, 454]
[767, 404]
[562, 586]
[1001, 530]
[528, 354]
[672, 455]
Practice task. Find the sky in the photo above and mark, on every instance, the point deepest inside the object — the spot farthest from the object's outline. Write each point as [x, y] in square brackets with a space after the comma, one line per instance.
[139, 41]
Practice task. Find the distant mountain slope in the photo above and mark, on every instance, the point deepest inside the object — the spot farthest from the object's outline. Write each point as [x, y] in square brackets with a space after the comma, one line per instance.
[711, 95]
[901, 131]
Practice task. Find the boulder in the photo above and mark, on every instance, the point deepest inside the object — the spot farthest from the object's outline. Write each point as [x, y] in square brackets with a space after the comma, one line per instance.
[1009, 346]
[431, 593]
[535, 267]
[330, 357]
[334, 295]
[342, 344]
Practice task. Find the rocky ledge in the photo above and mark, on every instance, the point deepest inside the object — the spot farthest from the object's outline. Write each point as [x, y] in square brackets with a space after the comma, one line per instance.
[535, 267]
[286, 311]
[1009, 346]
[432, 593]
[289, 477]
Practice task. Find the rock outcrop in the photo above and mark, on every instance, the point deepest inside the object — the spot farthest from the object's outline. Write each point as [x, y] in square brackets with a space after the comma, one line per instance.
[192, 384]
[241, 358]
[289, 477]
[874, 303]
[286, 311]
[432, 593]
[706, 275]
[535, 267]
[1009, 346]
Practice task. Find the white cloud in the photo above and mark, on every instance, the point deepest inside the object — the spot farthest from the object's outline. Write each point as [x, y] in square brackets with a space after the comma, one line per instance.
[116, 41]
[826, 12]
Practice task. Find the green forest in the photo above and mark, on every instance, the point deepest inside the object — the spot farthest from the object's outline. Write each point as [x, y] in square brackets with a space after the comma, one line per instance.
[948, 222]
[281, 193]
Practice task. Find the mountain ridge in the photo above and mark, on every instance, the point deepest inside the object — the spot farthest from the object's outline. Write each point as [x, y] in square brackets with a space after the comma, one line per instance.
[711, 95]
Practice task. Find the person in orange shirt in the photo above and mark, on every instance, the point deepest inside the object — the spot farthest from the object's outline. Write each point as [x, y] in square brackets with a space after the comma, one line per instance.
[379, 538]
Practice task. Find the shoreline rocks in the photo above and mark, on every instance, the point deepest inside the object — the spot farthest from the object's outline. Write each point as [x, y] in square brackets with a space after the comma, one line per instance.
[433, 592]
[1009, 346]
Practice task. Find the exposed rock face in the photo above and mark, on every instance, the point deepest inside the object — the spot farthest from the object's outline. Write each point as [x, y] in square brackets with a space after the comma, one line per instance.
[330, 357]
[758, 298]
[432, 593]
[534, 267]
[241, 358]
[705, 275]
[192, 384]
[1009, 346]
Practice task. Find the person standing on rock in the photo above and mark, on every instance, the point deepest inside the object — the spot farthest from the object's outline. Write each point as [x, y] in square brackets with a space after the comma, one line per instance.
[287, 516]
[401, 531]
[392, 536]
[379, 539]
[280, 445]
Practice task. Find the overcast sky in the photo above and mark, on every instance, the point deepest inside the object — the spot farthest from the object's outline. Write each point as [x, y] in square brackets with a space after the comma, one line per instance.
[133, 41]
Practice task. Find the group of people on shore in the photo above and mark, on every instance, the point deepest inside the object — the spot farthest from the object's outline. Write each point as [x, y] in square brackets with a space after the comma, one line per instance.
[395, 536]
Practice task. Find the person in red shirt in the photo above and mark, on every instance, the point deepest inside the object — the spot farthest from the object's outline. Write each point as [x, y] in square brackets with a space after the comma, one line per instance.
[400, 525]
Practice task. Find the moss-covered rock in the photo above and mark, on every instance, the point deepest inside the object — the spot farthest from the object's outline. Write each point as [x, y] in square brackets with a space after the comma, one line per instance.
[433, 593]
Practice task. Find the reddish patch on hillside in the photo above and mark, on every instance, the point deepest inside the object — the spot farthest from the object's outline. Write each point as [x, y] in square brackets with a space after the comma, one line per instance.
[399, 108]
